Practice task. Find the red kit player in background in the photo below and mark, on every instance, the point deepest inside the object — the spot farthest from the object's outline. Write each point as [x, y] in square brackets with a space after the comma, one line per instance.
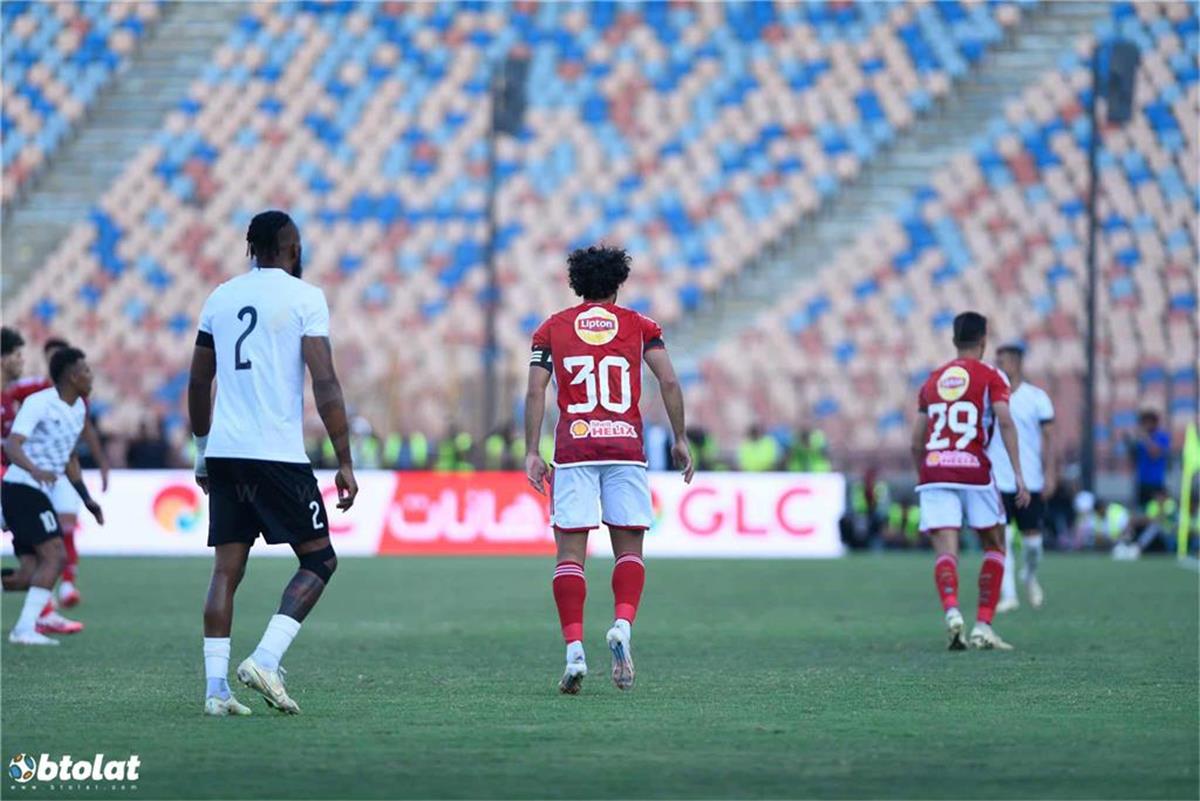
[595, 352]
[958, 405]
[65, 499]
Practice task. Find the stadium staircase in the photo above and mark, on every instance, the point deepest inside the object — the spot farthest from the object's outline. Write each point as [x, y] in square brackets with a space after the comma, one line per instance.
[124, 119]
[1034, 47]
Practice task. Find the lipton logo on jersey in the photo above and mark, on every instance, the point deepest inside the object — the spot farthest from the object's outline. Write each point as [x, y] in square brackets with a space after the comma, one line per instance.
[951, 459]
[602, 429]
[596, 326]
[952, 384]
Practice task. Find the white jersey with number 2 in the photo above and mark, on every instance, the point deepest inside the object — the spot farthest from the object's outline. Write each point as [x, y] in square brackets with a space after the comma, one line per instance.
[257, 322]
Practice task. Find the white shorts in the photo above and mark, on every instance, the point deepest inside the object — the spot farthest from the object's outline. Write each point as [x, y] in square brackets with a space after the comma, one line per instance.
[945, 507]
[64, 498]
[578, 494]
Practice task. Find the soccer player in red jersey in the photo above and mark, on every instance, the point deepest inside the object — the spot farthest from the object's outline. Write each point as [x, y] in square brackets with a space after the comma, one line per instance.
[958, 405]
[594, 351]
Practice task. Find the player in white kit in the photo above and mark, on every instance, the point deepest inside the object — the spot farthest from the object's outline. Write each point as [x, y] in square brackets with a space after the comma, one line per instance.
[257, 334]
[41, 450]
[1033, 414]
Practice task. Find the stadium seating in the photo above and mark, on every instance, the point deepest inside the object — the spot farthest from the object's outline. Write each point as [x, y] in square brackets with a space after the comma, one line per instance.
[57, 58]
[1003, 229]
[693, 134]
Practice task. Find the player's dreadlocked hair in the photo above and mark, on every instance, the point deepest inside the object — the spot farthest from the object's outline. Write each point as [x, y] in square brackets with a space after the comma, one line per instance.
[262, 237]
[597, 272]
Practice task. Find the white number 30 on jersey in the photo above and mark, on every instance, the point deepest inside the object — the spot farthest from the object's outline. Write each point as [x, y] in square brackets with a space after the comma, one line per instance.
[961, 417]
[590, 374]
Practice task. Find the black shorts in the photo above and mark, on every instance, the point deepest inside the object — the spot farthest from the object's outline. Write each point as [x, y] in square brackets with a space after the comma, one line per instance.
[1030, 518]
[248, 497]
[29, 515]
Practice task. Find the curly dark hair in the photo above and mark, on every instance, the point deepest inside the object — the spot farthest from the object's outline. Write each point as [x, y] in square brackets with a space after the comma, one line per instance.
[596, 273]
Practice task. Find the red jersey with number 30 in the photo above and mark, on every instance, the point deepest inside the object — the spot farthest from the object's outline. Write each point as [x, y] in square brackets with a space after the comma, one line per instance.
[595, 353]
[957, 400]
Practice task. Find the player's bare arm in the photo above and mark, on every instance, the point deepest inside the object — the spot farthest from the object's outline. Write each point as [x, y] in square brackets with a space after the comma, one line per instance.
[535, 412]
[14, 448]
[917, 440]
[75, 476]
[92, 438]
[659, 362]
[1008, 434]
[1049, 460]
[200, 380]
[331, 405]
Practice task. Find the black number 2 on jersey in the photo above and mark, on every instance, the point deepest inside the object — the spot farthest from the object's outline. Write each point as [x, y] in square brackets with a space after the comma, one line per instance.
[238, 362]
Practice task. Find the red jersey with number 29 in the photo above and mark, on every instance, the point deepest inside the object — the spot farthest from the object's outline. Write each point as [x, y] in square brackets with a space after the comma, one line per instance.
[957, 401]
[595, 352]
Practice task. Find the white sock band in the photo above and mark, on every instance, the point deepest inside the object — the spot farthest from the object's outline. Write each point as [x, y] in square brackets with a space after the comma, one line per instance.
[216, 657]
[275, 641]
[35, 599]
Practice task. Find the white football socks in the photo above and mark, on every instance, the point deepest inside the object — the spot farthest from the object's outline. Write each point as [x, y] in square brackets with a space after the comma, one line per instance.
[1033, 555]
[35, 600]
[275, 641]
[216, 666]
[1008, 587]
[575, 651]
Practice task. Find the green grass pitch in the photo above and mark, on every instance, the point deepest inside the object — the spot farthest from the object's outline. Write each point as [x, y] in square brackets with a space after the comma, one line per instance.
[435, 678]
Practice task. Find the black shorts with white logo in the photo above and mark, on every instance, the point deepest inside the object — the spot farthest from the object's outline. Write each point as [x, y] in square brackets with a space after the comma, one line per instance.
[248, 497]
[29, 515]
[1030, 518]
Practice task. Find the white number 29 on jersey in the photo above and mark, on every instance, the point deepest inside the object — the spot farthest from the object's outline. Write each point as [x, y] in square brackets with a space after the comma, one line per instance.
[590, 374]
[961, 417]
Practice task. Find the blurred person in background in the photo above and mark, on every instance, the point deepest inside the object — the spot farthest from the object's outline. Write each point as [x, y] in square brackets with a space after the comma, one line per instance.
[1033, 414]
[1149, 446]
[759, 452]
[149, 450]
[807, 452]
[704, 446]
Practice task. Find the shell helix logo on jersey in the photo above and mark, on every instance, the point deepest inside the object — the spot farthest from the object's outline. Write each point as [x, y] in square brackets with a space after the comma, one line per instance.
[94, 773]
[177, 509]
[951, 459]
[953, 383]
[602, 429]
[596, 326]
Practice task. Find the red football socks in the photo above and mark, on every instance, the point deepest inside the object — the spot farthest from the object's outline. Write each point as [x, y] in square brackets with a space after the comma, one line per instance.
[945, 577]
[69, 568]
[991, 574]
[628, 579]
[570, 592]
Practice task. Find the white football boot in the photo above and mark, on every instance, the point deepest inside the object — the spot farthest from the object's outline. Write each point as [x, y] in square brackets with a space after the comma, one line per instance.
[954, 630]
[572, 678]
[983, 638]
[30, 638]
[225, 707]
[267, 683]
[622, 655]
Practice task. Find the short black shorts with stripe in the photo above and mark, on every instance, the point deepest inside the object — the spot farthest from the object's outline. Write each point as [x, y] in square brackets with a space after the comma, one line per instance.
[1030, 518]
[29, 515]
[248, 497]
